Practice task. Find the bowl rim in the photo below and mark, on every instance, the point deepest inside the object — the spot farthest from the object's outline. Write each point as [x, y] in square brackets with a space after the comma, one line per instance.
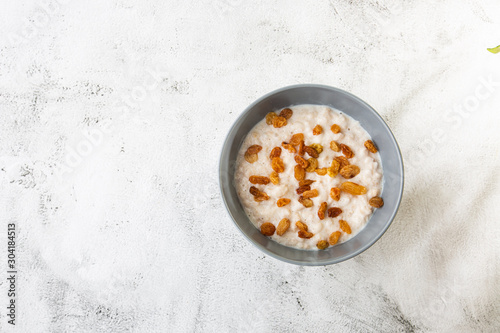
[334, 260]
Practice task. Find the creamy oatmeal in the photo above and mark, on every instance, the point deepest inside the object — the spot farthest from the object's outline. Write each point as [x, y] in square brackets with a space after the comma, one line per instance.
[309, 176]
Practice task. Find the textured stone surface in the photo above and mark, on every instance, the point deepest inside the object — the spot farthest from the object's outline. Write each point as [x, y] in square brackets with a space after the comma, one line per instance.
[112, 117]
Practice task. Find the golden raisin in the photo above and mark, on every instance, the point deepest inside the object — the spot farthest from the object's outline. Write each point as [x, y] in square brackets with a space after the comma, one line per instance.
[262, 196]
[311, 151]
[321, 171]
[269, 118]
[301, 225]
[345, 226]
[286, 113]
[267, 229]
[251, 158]
[346, 151]
[279, 122]
[313, 164]
[317, 130]
[349, 171]
[305, 234]
[322, 244]
[334, 212]
[371, 146]
[283, 226]
[306, 202]
[301, 147]
[302, 189]
[334, 146]
[342, 161]
[322, 210]
[258, 195]
[333, 170]
[254, 190]
[283, 202]
[276, 152]
[353, 188]
[277, 164]
[335, 128]
[317, 147]
[376, 202]
[288, 147]
[310, 194]
[334, 238]
[259, 180]
[299, 173]
[301, 161]
[296, 138]
[335, 193]
[275, 178]
[254, 149]
[306, 182]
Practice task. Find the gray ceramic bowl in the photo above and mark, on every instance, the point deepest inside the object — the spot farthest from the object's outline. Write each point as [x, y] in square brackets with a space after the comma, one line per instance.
[370, 120]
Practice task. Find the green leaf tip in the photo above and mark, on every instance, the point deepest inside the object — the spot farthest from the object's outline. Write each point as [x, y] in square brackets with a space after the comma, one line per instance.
[494, 49]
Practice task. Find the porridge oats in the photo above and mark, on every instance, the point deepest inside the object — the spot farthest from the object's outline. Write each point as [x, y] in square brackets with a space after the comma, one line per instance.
[309, 176]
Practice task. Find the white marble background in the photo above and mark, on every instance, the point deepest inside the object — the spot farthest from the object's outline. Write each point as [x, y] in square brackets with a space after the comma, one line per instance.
[112, 117]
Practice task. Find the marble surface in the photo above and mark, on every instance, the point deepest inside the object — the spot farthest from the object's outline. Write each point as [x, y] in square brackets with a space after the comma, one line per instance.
[112, 117]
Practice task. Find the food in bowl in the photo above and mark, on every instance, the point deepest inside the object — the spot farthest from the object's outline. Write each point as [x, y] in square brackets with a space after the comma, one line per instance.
[309, 176]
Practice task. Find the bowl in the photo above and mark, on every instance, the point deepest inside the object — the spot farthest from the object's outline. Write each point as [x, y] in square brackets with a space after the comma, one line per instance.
[392, 164]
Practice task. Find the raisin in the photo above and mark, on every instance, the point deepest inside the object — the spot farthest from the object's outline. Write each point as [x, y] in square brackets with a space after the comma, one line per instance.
[302, 189]
[288, 147]
[313, 164]
[371, 146]
[301, 225]
[317, 147]
[267, 229]
[259, 180]
[254, 149]
[254, 190]
[276, 152]
[251, 158]
[335, 128]
[310, 194]
[321, 171]
[349, 171]
[301, 161]
[283, 226]
[277, 164]
[333, 170]
[346, 151]
[317, 130]
[283, 202]
[279, 122]
[262, 196]
[311, 151]
[269, 118]
[376, 202]
[345, 226]
[305, 234]
[334, 212]
[342, 161]
[334, 238]
[334, 146]
[301, 148]
[335, 193]
[322, 244]
[306, 202]
[275, 178]
[353, 188]
[322, 210]
[286, 113]
[299, 173]
[296, 138]
[306, 182]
